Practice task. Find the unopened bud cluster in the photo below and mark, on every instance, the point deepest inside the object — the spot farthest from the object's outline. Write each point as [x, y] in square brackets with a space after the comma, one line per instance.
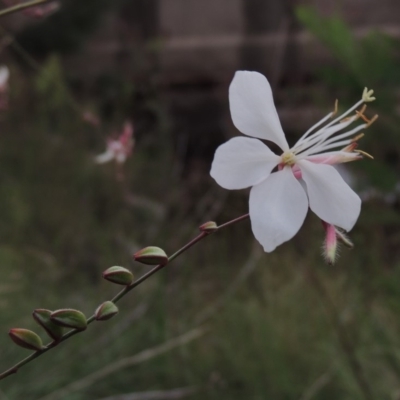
[43, 318]
[53, 323]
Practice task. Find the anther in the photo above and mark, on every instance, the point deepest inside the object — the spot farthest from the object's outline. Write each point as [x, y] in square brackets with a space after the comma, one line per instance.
[336, 108]
[363, 108]
[360, 114]
[372, 120]
[364, 153]
[365, 119]
[358, 137]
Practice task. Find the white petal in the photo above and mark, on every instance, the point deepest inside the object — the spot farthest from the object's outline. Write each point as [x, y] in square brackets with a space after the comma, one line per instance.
[278, 207]
[252, 108]
[329, 195]
[104, 157]
[242, 162]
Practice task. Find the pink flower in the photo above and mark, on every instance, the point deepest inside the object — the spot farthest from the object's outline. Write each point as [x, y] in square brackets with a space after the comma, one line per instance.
[118, 149]
[284, 186]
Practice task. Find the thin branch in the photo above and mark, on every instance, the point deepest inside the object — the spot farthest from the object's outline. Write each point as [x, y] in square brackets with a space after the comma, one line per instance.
[119, 296]
[22, 6]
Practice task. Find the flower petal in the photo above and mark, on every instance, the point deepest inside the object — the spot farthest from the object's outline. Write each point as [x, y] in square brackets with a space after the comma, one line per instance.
[242, 162]
[252, 108]
[104, 157]
[278, 207]
[329, 195]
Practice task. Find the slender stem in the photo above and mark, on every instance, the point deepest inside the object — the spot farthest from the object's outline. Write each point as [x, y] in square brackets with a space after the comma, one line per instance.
[234, 221]
[118, 297]
[344, 340]
[22, 6]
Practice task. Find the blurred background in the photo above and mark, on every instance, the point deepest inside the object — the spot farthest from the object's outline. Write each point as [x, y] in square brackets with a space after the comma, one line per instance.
[225, 321]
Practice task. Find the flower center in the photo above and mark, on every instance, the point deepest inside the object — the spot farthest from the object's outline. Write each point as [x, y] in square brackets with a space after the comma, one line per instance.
[288, 158]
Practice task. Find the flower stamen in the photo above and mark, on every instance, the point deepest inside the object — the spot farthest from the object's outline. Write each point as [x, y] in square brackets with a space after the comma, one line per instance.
[357, 138]
[350, 148]
[336, 108]
[372, 120]
[288, 158]
[367, 96]
[364, 153]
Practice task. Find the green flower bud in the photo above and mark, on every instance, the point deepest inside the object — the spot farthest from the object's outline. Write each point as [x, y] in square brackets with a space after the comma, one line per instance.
[106, 311]
[118, 275]
[209, 227]
[26, 339]
[69, 318]
[151, 256]
[42, 317]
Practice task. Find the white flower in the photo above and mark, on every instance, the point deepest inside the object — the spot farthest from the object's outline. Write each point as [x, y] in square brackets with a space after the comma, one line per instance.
[285, 185]
[118, 149]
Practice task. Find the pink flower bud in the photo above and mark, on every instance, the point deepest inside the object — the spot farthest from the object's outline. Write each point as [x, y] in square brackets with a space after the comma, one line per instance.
[26, 339]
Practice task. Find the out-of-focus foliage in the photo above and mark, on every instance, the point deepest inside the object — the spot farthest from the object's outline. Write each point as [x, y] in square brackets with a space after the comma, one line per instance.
[64, 31]
[372, 61]
[52, 88]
